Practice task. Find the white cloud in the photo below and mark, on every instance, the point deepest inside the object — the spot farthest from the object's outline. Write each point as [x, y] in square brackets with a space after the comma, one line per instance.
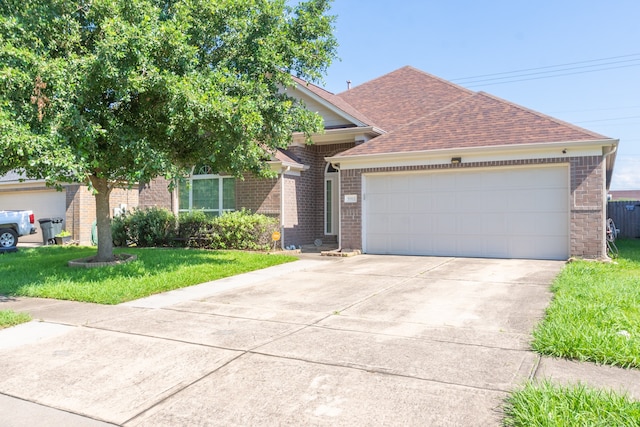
[626, 173]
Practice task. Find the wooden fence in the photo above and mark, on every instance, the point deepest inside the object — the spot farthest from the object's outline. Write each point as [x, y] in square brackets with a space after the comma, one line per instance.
[626, 216]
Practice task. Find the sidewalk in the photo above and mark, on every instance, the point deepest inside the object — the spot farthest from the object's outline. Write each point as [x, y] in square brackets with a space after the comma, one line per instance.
[567, 372]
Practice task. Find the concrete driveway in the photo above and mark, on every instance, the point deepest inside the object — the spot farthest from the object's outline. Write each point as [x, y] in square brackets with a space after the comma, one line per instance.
[368, 340]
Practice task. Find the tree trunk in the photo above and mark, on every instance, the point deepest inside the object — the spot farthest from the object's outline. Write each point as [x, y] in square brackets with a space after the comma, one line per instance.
[103, 219]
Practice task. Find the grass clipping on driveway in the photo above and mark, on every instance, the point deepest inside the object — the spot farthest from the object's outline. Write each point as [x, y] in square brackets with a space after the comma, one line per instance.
[595, 312]
[43, 272]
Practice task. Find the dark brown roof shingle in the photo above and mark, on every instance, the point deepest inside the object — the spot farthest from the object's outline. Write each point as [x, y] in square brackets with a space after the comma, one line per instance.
[478, 120]
[402, 96]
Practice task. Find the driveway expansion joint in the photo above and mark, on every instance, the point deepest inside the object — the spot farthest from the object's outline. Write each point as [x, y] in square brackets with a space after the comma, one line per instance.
[186, 386]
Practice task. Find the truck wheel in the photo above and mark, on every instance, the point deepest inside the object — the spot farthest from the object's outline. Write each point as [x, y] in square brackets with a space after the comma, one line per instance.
[8, 238]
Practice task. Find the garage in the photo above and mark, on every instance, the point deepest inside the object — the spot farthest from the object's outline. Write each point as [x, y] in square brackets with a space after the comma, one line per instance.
[44, 204]
[508, 212]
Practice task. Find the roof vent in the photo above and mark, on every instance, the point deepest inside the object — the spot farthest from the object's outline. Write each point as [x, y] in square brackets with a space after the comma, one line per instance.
[348, 84]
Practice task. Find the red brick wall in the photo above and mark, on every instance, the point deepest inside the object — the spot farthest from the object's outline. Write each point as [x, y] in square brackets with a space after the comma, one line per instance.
[72, 220]
[81, 209]
[155, 194]
[305, 195]
[588, 207]
[260, 195]
[587, 204]
[351, 213]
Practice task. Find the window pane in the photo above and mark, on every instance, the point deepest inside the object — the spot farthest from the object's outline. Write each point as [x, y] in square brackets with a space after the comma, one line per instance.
[205, 194]
[229, 193]
[183, 195]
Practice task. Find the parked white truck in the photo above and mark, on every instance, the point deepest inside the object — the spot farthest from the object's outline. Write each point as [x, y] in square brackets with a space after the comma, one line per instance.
[14, 224]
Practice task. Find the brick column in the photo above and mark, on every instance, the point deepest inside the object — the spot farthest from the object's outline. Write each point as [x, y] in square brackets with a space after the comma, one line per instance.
[351, 213]
[588, 208]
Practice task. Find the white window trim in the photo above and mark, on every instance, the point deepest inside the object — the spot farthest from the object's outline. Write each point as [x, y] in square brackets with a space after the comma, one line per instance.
[220, 179]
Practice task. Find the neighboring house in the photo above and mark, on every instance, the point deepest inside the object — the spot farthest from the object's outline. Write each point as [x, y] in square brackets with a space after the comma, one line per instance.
[75, 204]
[412, 164]
[621, 195]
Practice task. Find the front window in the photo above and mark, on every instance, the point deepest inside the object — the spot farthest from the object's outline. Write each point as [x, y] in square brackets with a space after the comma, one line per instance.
[208, 192]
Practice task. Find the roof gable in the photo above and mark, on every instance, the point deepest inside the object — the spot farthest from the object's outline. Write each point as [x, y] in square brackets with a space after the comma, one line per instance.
[480, 120]
[402, 96]
[338, 107]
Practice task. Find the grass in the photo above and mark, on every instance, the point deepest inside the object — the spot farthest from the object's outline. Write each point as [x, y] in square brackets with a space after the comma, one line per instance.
[594, 316]
[11, 318]
[595, 312]
[545, 404]
[43, 272]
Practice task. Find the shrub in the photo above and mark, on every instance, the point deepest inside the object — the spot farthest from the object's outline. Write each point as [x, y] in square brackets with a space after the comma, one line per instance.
[144, 228]
[120, 230]
[232, 230]
[243, 230]
[195, 229]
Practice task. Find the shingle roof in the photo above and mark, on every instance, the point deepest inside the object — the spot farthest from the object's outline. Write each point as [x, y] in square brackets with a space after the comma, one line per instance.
[336, 101]
[476, 121]
[285, 156]
[403, 96]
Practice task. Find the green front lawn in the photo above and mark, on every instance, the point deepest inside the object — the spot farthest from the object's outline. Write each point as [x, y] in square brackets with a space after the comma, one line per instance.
[11, 318]
[43, 272]
[594, 316]
[548, 405]
[595, 312]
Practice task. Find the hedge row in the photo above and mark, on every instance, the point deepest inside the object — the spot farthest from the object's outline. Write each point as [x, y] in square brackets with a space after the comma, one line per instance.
[159, 227]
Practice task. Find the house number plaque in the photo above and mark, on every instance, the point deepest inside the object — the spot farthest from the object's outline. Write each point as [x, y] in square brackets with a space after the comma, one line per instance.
[350, 198]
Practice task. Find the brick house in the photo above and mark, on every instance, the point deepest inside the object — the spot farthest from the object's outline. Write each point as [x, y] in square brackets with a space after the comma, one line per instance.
[412, 164]
[408, 164]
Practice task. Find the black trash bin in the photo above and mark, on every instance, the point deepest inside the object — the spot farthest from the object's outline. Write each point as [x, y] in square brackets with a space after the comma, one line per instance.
[50, 228]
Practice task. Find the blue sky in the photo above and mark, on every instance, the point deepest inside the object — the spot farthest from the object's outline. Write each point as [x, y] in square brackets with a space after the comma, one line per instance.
[455, 39]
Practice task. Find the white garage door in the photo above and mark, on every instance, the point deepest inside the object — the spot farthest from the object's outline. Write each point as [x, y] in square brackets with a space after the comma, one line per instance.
[520, 212]
[43, 203]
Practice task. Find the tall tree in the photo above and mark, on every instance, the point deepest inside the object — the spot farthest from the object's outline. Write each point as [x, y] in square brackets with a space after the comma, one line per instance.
[112, 92]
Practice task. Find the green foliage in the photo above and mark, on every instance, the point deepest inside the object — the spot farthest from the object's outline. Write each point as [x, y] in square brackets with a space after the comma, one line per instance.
[120, 230]
[243, 230]
[128, 89]
[11, 318]
[43, 272]
[193, 227]
[240, 230]
[548, 405]
[595, 312]
[112, 92]
[145, 228]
